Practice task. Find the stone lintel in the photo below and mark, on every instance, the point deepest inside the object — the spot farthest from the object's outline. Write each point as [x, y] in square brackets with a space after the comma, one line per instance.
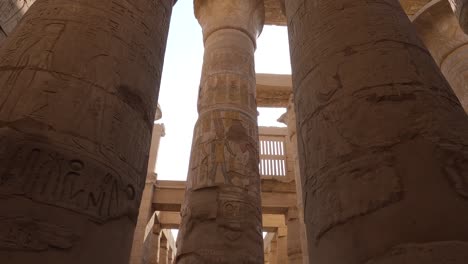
[271, 222]
[277, 196]
[273, 90]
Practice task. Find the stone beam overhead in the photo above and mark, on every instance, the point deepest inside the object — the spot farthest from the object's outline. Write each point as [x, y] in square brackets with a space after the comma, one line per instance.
[273, 90]
[273, 13]
[277, 196]
[275, 16]
[171, 220]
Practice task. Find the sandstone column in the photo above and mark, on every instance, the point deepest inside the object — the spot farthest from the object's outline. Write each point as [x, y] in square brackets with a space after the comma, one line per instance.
[273, 251]
[294, 237]
[142, 246]
[448, 44]
[169, 256]
[221, 216]
[154, 253]
[163, 251]
[289, 118]
[460, 9]
[383, 141]
[78, 89]
[282, 245]
[266, 257]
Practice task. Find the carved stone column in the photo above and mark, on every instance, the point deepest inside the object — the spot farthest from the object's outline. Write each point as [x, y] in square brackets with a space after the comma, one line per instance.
[221, 215]
[154, 252]
[383, 140]
[294, 237]
[169, 256]
[79, 84]
[460, 9]
[273, 251]
[266, 257]
[163, 251]
[289, 118]
[142, 238]
[448, 44]
[282, 245]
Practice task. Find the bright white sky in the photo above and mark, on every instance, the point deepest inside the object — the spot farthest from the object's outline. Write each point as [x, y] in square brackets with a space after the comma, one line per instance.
[181, 78]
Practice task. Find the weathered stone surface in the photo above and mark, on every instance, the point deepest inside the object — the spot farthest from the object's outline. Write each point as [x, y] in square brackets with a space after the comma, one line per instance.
[222, 204]
[448, 44]
[274, 13]
[78, 91]
[383, 141]
[447, 252]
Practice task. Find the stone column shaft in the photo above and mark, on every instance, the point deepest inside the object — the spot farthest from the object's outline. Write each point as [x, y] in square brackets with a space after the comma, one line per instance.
[154, 251]
[222, 206]
[383, 140]
[294, 237]
[289, 118]
[273, 254]
[282, 245]
[163, 251]
[79, 84]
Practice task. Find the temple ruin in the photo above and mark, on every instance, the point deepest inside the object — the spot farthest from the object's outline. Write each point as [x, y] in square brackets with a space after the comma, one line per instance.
[371, 168]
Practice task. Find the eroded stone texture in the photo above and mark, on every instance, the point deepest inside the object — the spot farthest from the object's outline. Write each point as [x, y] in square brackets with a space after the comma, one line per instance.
[383, 140]
[221, 215]
[446, 252]
[460, 9]
[78, 91]
[448, 44]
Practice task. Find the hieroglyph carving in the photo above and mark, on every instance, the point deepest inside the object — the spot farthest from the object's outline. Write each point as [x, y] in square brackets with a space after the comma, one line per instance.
[55, 177]
[79, 84]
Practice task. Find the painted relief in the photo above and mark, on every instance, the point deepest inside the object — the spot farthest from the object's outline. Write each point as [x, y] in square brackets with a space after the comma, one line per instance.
[224, 153]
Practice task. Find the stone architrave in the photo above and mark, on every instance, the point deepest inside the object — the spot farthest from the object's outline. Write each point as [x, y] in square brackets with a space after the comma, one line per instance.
[221, 215]
[382, 138]
[460, 9]
[79, 83]
[448, 44]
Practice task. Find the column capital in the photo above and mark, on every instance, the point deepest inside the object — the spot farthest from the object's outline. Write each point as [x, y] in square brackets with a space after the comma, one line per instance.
[247, 16]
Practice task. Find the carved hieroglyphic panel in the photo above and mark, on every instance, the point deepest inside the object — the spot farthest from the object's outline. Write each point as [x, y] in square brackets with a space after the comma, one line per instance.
[225, 151]
[62, 178]
[351, 188]
[373, 115]
[21, 233]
